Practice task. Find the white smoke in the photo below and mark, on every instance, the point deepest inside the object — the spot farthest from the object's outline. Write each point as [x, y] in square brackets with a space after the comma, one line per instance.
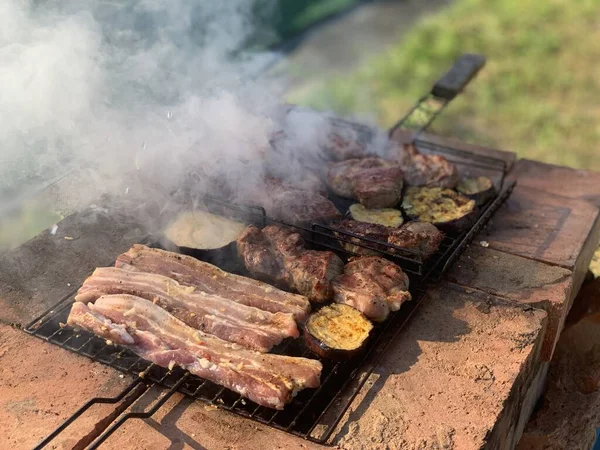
[138, 86]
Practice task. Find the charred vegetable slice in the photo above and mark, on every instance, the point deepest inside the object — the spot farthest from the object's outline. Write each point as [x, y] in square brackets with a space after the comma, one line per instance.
[386, 216]
[203, 230]
[337, 331]
[480, 189]
[444, 208]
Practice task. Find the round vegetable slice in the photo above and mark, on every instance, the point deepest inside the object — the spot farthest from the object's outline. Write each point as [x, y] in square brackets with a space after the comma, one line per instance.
[445, 208]
[480, 189]
[337, 331]
[388, 217]
[202, 230]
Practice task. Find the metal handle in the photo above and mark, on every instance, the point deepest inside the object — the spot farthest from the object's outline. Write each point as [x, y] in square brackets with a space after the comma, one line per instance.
[449, 86]
[454, 81]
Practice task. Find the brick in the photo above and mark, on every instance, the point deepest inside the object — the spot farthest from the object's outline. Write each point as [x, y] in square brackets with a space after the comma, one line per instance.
[544, 227]
[42, 384]
[525, 281]
[456, 377]
[42, 271]
[558, 180]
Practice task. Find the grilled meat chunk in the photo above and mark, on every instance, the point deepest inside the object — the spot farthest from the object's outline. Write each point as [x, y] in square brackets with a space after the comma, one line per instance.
[374, 182]
[419, 238]
[248, 326]
[190, 271]
[155, 335]
[423, 169]
[373, 285]
[346, 140]
[278, 255]
[291, 204]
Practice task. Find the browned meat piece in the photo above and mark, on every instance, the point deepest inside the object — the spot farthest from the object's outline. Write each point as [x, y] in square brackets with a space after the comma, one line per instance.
[190, 271]
[374, 182]
[423, 169]
[303, 208]
[278, 255]
[346, 140]
[155, 335]
[419, 238]
[297, 206]
[373, 285]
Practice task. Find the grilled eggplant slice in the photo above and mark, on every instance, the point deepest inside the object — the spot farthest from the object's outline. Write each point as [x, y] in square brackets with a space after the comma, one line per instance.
[445, 208]
[205, 236]
[337, 331]
[480, 189]
[203, 230]
[386, 216]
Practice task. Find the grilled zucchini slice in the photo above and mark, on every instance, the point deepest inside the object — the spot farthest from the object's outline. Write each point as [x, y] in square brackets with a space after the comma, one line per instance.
[337, 331]
[445, 208]
[386, 216]
[480, 189]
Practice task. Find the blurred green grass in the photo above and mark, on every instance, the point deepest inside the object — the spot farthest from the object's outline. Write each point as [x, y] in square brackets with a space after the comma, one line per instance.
[537, 95]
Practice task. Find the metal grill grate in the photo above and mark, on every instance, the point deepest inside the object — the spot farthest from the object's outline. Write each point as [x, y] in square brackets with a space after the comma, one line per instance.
[314, 413]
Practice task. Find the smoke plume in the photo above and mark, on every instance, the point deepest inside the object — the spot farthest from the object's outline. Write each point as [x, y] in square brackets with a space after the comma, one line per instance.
[109, 88]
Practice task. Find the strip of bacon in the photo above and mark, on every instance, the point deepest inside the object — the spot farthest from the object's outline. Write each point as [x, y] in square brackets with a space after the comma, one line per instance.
[155, 335]
[190, 271]
[234, 322]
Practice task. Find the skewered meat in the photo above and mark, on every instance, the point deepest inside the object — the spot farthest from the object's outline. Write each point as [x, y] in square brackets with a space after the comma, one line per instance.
[297, 206]
[190, 271]
[424, 169]
[278, 255]
[374, 182]
[234, 322]
[373, 285]
[421, 238]
[155, 335]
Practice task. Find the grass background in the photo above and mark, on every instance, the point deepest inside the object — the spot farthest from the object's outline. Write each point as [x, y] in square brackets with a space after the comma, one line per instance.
[538, 95]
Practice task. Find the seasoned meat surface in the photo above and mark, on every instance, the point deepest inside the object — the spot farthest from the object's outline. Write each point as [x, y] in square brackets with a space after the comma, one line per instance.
[424, 169]
[245, 325]
[157, 336]
[190, 271]
[420, 238]
[278, 254]
[292, 204]
[373, 285]
[374, 182]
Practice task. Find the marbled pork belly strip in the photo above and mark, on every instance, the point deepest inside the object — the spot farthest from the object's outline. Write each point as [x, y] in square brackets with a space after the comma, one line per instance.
[245, 325]
[155, 335]
[190, 271]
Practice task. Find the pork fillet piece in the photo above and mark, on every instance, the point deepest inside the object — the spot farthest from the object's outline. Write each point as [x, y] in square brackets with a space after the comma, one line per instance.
[294, 205]
[248, 326]
[277, 254]
[374, 182]
[424, 169]
[373, 285]
[155, 335]
[189, 271]
[422, 238]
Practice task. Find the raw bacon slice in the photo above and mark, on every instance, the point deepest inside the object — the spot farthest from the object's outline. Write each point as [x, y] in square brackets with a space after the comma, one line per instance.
[190, 271]
[234, 322]
[155, 335]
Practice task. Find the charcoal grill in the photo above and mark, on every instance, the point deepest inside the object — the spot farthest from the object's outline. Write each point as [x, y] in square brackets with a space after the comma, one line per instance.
[314, 413]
